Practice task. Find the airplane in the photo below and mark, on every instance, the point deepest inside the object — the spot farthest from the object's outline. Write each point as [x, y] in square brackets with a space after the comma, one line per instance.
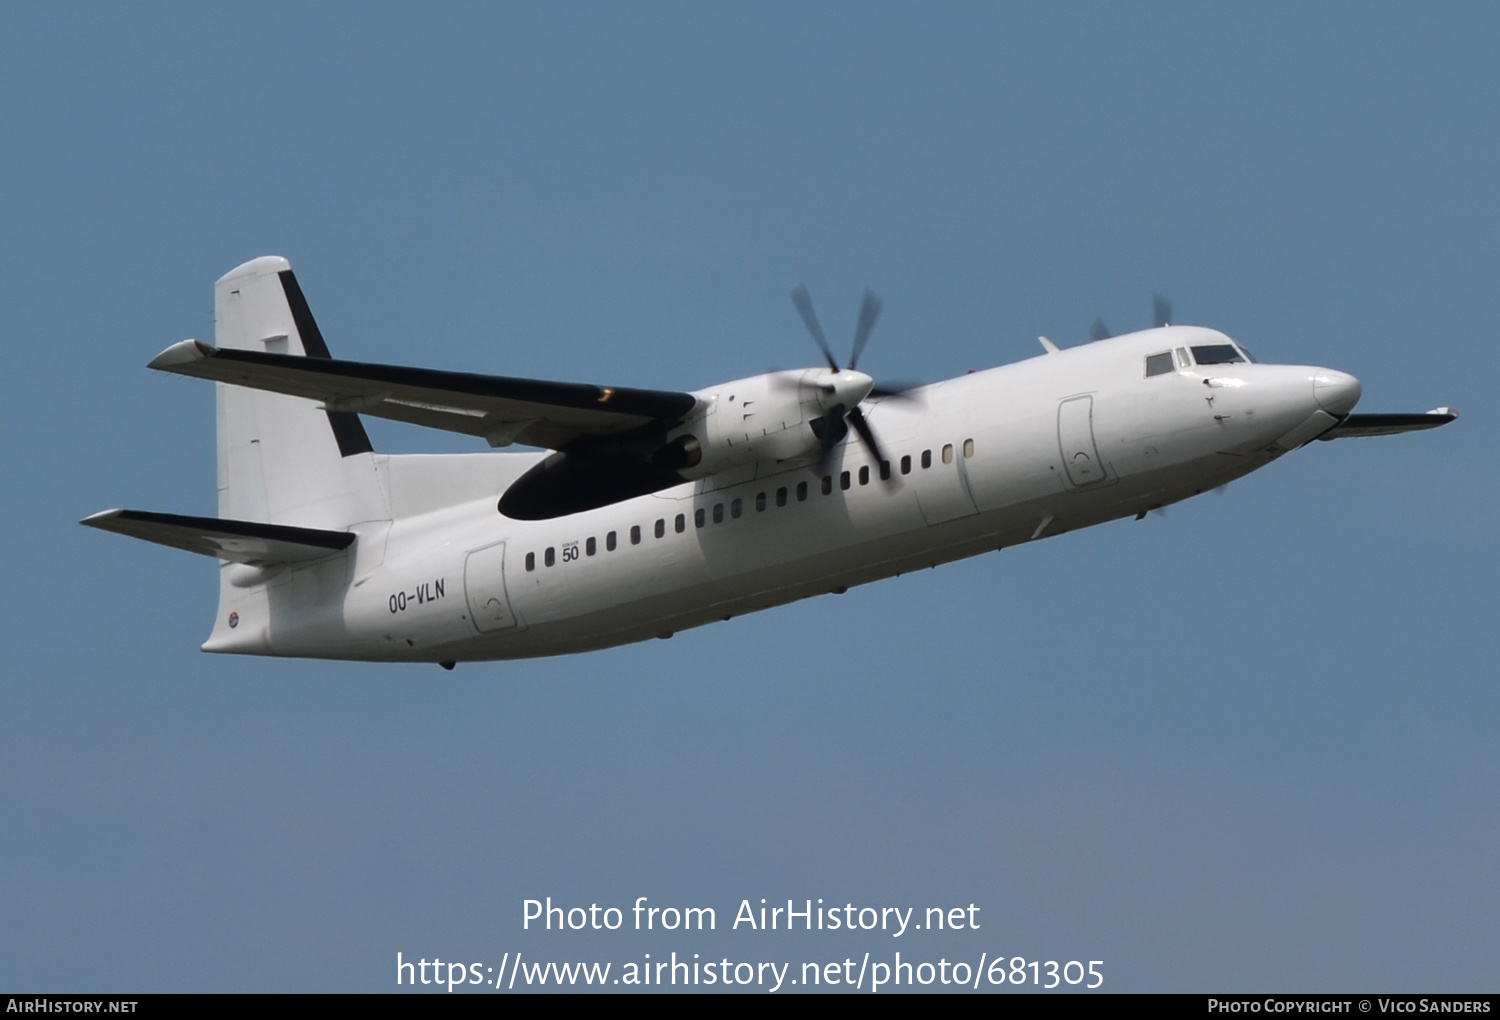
[646, 512]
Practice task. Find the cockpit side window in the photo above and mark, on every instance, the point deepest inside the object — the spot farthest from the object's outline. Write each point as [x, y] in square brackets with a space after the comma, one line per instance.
[1217, 354]
[1159, 364]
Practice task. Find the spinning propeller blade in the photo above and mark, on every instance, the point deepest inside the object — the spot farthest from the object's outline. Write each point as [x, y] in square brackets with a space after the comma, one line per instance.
[838, 418]
[869, 311]
[867, 434]
[803, 301]
[1161, 315]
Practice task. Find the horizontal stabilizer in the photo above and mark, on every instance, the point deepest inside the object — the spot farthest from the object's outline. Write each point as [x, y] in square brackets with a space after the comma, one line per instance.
[499, 409]
[238, 541]
[1389, 424]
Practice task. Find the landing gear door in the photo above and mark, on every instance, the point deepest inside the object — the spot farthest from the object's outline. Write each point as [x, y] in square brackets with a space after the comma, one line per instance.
[484, 587]
[1075, 438]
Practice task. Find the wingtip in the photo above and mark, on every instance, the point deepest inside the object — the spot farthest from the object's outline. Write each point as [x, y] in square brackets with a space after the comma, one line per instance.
[183, 352]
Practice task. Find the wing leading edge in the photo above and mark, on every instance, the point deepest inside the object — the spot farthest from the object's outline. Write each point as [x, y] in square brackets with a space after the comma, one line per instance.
[237, 541]
[1357, 425]
[498, 409]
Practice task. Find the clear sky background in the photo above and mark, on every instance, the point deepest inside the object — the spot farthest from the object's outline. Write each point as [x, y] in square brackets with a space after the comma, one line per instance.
[1248, 745]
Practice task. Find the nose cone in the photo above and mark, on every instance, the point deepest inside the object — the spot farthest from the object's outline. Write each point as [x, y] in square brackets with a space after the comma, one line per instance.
[1335, 392]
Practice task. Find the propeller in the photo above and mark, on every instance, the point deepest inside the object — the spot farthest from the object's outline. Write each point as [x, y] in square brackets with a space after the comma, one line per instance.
[1161, 315]
[1161, 311]
[845, 389]
[803, 300]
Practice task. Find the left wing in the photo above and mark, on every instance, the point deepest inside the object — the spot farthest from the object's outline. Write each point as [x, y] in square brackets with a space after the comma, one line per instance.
[1388, 424]
[499, 409]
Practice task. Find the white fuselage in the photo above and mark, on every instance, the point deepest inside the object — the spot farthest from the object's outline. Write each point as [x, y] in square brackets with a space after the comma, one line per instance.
[996, 458]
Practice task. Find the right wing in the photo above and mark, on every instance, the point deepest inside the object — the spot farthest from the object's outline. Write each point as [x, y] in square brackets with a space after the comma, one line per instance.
[499, 409]
[238, 541]
[1356, 425]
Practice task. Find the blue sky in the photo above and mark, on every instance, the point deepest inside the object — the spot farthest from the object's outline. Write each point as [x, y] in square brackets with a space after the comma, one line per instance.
[1245, 746]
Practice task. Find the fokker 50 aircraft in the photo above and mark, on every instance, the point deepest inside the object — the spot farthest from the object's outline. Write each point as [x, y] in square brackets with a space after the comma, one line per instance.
[646, 512]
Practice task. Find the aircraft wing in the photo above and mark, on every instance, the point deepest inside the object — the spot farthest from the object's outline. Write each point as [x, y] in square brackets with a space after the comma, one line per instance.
[496, 408]
[238, 541]
[1389, 424]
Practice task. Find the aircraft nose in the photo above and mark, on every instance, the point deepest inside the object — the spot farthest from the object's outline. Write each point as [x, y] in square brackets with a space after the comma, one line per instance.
[1335, 392]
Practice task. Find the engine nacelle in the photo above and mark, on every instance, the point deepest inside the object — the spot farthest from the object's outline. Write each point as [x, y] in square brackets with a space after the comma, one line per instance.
[762, 418]
[771, 418]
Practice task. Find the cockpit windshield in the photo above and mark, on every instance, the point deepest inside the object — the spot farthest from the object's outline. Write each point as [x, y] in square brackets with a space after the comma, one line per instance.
[1217, 354]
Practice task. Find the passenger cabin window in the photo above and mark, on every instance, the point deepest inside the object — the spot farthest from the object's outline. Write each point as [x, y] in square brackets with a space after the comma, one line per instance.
[699, 518]
[968, 448]
[906, 464]
[591, 546]
[737, 507]
[844, 480]
[531, 561]
[680, 524]
[609, 541]
[827, 484]
[864, 475]
[550, 557]
[1217, 354]
[927, 458]
[718, 513]
[760, 502]
[885, 471]
[781, 496]
[801, 492]
[948, 453]
[1159, 364]
[635, 534]
[661, 527]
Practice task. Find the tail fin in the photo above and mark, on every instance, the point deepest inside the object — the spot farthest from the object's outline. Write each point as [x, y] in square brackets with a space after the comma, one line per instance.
[285, 460]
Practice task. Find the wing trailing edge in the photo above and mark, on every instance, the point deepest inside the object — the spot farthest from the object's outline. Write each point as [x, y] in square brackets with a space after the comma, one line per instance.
[236, 541]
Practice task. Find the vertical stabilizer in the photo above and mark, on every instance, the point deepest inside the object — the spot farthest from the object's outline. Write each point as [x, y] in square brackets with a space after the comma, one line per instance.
[285, 460]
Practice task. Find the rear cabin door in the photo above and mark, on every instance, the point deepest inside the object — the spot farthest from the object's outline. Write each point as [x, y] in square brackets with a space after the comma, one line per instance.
[484, 587]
